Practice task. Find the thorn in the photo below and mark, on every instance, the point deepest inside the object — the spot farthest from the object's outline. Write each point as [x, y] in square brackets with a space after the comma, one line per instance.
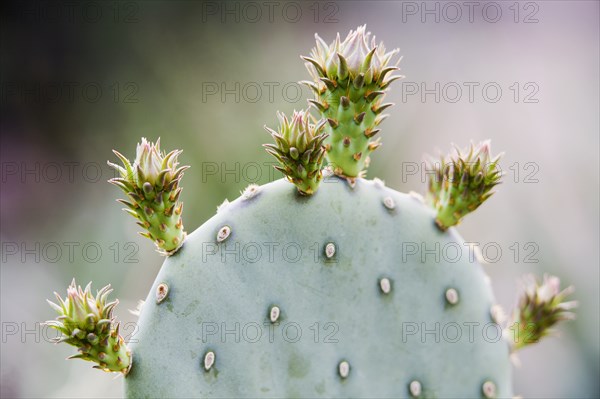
[371, 132]
[331, 85]
[384, 72]
[128, 204]
[319, 106]
[346, 141]
[333, 123]
[311, 85]
[357, 156]
[381, 108]
[316, 64]
[359, 118]
[386, 84]
[175, 195]
[179, 208]
[380, 118]
[374, 145]
[359, 81]
[343, 67]
[143, 225]
[147, 187]
[344, 102]
[367, 62]
[373, 95]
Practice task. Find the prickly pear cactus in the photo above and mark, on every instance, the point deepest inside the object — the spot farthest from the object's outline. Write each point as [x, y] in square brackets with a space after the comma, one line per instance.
[331, 286]
[353, 307]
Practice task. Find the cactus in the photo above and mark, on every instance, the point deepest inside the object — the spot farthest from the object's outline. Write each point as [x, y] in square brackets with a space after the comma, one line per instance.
[299, 150]
[332, 286]
[152, 186]
[325, 282]
[462, 183]
[540, 308]
[350, 79]
[87, 323]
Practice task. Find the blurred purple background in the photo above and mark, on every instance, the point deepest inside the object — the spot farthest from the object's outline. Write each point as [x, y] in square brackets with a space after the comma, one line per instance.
[81, 78]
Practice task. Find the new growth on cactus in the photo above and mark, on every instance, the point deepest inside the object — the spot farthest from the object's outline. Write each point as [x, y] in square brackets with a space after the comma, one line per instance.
[152, 187]
[350, 79]
[299, 150]
[352, 269]
[461, 182]
[540, 307]
[87, 323]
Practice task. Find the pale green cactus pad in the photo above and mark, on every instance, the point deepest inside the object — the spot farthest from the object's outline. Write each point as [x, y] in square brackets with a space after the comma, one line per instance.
[343, 258]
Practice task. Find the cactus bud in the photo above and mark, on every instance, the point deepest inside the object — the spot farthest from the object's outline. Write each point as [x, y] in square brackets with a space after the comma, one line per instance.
[152, 185]
[350, 79]
[460, 183]
[86, 322]
[299, 150]
[540, 307]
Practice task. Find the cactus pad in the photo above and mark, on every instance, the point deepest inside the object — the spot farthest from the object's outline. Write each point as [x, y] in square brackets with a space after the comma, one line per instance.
[283, 295]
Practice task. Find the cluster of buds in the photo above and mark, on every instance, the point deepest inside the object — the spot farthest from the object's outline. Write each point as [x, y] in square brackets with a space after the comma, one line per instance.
[540, 307]
[299, 150]
[460, 183]
[152, 187]
[87, 323]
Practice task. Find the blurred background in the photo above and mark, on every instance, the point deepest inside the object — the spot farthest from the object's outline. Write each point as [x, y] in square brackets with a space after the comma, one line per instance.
[82, 78]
